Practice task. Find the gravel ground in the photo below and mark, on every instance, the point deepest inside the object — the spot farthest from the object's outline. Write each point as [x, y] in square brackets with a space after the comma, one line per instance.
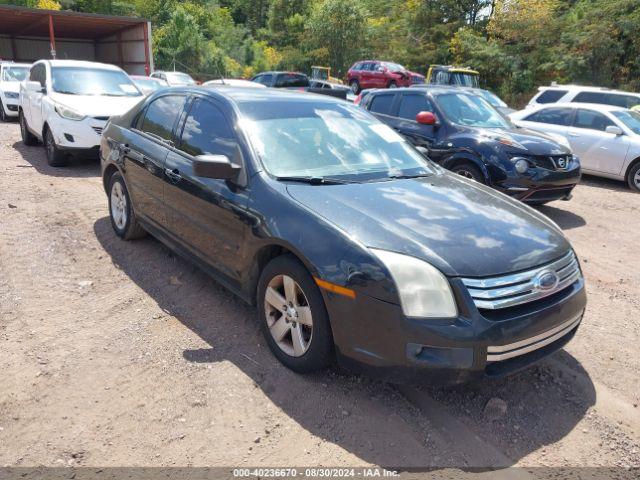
[117, 353]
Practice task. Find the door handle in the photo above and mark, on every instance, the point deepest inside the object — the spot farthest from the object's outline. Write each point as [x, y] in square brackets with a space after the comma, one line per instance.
[174, 175]
[574, 134]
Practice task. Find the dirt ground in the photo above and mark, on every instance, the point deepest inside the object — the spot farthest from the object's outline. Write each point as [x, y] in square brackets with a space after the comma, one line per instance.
[119, 353]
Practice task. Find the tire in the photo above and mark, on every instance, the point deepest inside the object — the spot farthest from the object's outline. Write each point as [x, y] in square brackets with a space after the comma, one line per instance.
[3, 114]
[55, 156]
[314, 350]
[28, 138]
[633, 177]
[123, 218]
[355, 86]
[393, 84]
[468, 170]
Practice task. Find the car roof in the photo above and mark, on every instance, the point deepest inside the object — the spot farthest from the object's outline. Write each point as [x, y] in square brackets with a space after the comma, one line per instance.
[280, 71]
[600, 107]
[82, 63]
[14, 64]
[427, 88]
[243, 94]
[583, 88]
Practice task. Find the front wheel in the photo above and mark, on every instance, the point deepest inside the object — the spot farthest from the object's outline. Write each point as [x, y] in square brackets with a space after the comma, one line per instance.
[393, 84]
[468, 170]
[293, 316]
[55, 156]
[355, 86]
[633, 177]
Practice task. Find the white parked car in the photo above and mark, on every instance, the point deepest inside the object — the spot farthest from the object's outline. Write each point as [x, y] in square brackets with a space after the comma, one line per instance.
[232, 82]
[604, 137]
[581, 94]
[11, 74]
[174, 79]
[67, 103]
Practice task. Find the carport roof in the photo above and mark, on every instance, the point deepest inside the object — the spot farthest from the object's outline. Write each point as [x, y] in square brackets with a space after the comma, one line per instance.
[21, 21]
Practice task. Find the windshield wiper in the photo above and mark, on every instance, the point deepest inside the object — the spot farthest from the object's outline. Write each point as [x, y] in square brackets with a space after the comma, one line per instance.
[314, 180]
[414, 175]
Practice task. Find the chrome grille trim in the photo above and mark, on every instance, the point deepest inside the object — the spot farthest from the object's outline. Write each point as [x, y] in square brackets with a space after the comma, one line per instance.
[504, 352]
[510, 290]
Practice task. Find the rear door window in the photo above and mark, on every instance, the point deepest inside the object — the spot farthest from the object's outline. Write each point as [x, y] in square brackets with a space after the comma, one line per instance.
[411, 104]
[551, 96]
[553, 116]
[617, 99]
[382, 104]
[161, 115]
[591, 120]
[207, 131]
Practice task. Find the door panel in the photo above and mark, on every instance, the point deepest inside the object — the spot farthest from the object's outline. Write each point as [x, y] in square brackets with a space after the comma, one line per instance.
[599, 151]
[206, 214]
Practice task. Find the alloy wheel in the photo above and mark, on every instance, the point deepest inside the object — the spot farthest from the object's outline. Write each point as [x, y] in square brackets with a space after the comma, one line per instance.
[466, 174]
[118, 206]
[288, 315]
[636, 179]
[49, 145]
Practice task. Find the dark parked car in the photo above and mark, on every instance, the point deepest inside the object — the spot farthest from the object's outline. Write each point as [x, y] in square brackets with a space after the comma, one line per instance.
[494, 100]
[350, 243]
[377, 74]
[298, 81]
[465, 134]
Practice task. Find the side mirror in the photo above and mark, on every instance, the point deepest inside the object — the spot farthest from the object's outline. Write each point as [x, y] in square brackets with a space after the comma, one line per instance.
[426, 118]
[613, 129]
[215, 166]
[34, 86]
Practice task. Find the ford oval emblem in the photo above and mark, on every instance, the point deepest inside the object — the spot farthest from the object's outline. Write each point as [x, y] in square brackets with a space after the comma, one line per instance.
[545, 281]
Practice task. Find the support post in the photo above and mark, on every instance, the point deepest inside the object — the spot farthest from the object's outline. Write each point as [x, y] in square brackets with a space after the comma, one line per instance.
[52, 38]
[147, 63]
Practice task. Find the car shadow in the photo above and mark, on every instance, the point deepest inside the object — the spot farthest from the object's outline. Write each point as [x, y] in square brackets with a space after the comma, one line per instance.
[374, 421]
[606, 183]
[80, 167]
[564, 218]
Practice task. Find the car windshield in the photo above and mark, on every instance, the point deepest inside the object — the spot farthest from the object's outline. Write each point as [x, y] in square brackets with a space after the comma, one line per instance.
[470, 110]
[492, 98]
[150, 83]
[464, 79]
[394, 67]
[14, 74]
[312, 139]
[179, 77]
[630, 118]
[92, 81]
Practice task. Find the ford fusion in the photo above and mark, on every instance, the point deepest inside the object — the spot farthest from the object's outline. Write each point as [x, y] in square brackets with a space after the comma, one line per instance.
[351, 244]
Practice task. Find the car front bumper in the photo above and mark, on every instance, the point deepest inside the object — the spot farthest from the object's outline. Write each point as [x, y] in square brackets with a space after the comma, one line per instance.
[11, 106]
[541, 185]
[375, 338]
[77, 136]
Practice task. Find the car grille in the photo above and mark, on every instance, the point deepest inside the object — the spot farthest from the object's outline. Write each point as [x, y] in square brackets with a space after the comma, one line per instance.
[518, 288]
[98, 130]
[522, 347]
[552, 162]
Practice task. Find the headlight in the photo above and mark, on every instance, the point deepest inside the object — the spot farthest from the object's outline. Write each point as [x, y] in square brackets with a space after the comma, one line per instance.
[520, 164]
[423, 290]
[11, 94]
[69, 114]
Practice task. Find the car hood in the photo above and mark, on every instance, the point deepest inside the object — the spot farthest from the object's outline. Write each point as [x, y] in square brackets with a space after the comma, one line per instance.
[97, 105]
[460, 227]
[522, 141]
[10, 87]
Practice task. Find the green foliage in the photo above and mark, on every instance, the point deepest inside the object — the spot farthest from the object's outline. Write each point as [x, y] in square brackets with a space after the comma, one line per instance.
[516, 45]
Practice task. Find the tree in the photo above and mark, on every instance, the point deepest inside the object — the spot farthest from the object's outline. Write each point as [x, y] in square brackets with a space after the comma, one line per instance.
[339, 26]
[180, 41]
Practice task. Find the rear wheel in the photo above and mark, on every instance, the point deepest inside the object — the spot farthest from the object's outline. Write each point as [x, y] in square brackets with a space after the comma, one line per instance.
[355, 86]
[293, 316]
[28, 138]
[468, 170]
[55, 156]
[633, 177]
[3, 114]
[123, 218]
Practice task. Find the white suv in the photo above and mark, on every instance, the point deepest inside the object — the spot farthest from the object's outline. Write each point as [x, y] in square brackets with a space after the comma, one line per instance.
[67, 103]
[579, 94]
[11, 74]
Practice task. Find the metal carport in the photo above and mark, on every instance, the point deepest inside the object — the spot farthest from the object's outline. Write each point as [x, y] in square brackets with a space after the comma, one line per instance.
[28, 34]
